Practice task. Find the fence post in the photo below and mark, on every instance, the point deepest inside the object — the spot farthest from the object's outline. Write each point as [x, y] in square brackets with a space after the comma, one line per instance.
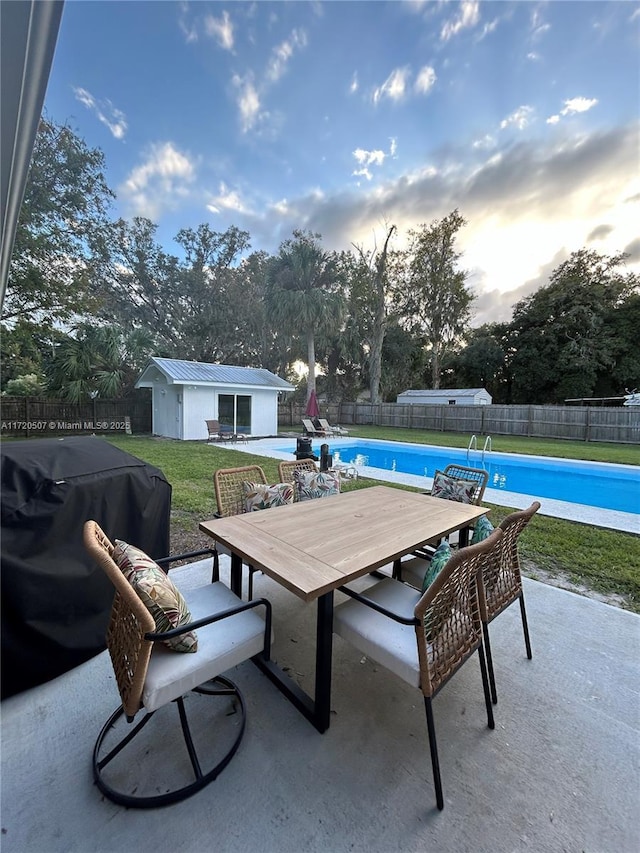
[587, 424]
[529, 420]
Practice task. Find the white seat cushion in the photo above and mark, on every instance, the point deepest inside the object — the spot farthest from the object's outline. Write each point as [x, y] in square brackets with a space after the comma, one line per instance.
[390, 643]
[221, 646]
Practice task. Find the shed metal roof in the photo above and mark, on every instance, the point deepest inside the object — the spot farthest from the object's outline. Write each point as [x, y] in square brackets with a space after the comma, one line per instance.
[444, 392]
[179, 372]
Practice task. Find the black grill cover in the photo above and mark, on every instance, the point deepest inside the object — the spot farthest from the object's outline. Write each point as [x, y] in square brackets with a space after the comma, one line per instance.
[55, 600]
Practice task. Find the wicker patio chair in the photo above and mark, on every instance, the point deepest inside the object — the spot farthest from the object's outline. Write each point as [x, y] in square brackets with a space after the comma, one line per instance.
[150, 676]
[502, 582]
[229, 493]
[475, 475]
[412, 570]
[286, 470]
[424, 639]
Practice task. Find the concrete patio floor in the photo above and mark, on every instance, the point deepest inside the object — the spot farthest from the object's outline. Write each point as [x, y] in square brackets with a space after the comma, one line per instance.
[560, 772]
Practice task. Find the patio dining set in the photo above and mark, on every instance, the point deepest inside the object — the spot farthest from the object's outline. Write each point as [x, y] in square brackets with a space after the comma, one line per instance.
[426, 611]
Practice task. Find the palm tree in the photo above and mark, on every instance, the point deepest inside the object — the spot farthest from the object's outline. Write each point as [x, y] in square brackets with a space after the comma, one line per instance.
[97, 361]
[303, 296]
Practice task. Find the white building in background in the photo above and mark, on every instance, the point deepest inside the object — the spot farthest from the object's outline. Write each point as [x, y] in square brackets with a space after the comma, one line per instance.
[446, 397]
[185, 394]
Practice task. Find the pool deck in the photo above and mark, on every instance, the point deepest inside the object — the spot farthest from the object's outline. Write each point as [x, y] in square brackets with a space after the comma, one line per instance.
[628, 522]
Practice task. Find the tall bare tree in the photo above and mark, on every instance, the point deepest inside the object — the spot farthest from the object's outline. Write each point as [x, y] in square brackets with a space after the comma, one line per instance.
[370, 295]
[433, 299]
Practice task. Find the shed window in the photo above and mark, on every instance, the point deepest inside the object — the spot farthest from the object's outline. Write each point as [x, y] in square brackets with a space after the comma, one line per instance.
[452, 402]
[234, 412]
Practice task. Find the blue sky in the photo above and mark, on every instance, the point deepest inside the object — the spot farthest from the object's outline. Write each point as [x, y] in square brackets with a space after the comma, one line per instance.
[340, 117]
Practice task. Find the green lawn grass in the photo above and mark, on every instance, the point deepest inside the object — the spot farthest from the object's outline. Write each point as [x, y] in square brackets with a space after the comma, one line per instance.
[604, 560]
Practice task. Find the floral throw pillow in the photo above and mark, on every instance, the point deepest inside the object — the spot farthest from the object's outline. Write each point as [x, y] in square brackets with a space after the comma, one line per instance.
[158, 593]
[260, 496]
[452, 488]
[439, 560]
[315, 484]
[482, 530]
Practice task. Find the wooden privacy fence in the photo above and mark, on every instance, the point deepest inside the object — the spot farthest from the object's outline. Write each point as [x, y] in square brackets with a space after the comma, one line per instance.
[43, 417]
[616, 424]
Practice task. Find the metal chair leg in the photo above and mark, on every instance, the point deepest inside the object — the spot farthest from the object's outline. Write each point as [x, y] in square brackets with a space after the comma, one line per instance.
[435, 764]
[219, 686]
[485, 687]
[525, 626]
[492, 680]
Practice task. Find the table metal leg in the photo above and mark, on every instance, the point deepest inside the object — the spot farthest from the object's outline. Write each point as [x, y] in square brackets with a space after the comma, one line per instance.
[236, 575]
[317, 710]
[463, 537]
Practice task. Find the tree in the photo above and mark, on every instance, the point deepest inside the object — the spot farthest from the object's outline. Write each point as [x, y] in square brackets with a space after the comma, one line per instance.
[303, 293]
[196, 308]
[63, 232]
[403, 361]
[482, 361]
[563, 335]
[433, 298]
[27, 385]
[371, 298]
[98, 360]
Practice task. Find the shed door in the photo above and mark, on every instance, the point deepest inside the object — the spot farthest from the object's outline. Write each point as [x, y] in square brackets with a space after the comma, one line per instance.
[234, 412]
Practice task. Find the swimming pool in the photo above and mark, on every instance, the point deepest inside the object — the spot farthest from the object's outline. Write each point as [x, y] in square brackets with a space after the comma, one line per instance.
[608, 486]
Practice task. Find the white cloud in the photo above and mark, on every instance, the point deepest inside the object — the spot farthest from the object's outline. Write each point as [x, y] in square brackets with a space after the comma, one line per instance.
[488, 28]
[283, 53]
[248, 102]
[160, 182]
[221, 29]
[366, 159]
[394, 87]
[485, 142]
[425, 80]
[573, 106]
[369, 157]
[113, 118]
[520, 118]
[354, 85]
[578, 105]
[227, 200]
[468, 16]
[538, 26]
[188, 28]
[393, 147]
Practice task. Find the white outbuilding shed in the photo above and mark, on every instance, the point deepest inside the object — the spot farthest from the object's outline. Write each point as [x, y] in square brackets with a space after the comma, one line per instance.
[185, 394]
[446, 397]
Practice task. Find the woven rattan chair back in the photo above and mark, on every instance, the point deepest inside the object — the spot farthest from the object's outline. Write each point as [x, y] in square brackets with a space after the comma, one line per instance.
[477, 475]
[501, 578]
[128, 623]
[228, 487]
[286, 469]
[450, 627]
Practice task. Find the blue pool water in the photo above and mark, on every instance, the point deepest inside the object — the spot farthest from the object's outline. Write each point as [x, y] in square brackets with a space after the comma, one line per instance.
[607, 486]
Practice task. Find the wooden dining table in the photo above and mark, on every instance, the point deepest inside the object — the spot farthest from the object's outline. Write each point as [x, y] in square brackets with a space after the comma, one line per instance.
[314, 547]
